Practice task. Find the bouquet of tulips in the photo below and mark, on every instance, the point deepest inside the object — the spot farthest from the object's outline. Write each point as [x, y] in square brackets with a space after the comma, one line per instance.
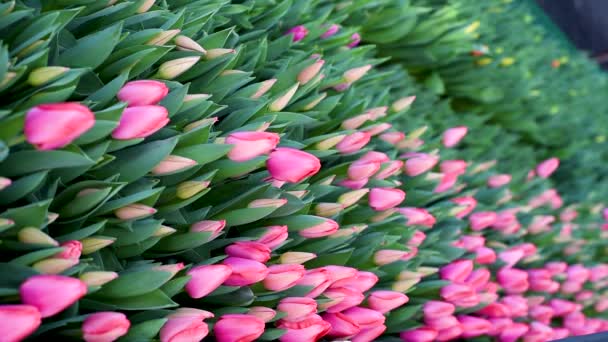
[188, 170]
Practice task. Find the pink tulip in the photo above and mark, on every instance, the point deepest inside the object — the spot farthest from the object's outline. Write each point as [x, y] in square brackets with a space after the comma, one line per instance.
[282, 277]
[512, 280]
[568, 215]
[365, 318]
[513, 332]
[140, 122]
[517, 304]
[18, 321]
[454, 167]
[562, 307]
[381, 199]
[317, 278]
[559, 333]
[206, 278]
[142, 93]
[449, 334]
[71, 250]
[578, 273]
[352, 184]
[598, 272]
[417, 217]
[472, 242]
[511, 256]
[556, 267]
[601, 305]
[51, 294]
[362, 281]
[369, 335]
[387, 256]
[310, 329]
[291, 165]
[485, 255]
[326, 228]
[105, 326]
[184, 328]
[355, 39]
[436, 309]
[353, 142]
[420, 163]
[297, 308]
[385, 301]
[274, 236]
[499, 325]
[547, 167]
[497, 181]
[332, 30]
[244, 271]
[452, 136]
[213, 227]
[249, 328]
[248, 145]
[342, 298]
[495, 310]
[298, 32]
[263, 313]
[338, 273]
[341, 325]
[469, 204]
[55, 125]
[460, 295]
[541, 313]
[478, 278]
[473, 326]
[417, 239]
[441, 323]
[448, 180]
[249, 250]
[366, 166]
[538, 332]
[389, 169]
[422, 334]
[540, 281]
[392, 137]
[482, 220]
[457, 271]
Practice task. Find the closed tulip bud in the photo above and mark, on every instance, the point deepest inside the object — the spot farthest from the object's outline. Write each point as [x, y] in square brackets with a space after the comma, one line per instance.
[441, 323]
[291, 165]
[308, 73]
[478, 278]
[387, 256]
[329, 143]
[381, 199]
[297, 308]
[403, 103]
[547, 167]
[216, 53]
[352, 197]
[18, 321]
[385, 301]
[4, 183]
[145, 6]
[163, 37]
[356, 121]
[353, 142]
[472, 242]
[105, 326]
[562, 307]
[331, 30]
[541, 313]
[352, 75]
[341, 325]
[482, 220]
[31, 235]
[282, 101]
[361, 281]
[98, 278]
[328, 209]
[263, 313]
[244, 271]
[312, 328]
[199, 123]
[474, 326]
[353, 184]
[342, 298]
[205, 279]
[173, 68]
[513, 280]
[434, 309]
[54, 265]
[460, 295]
[140, 122]
[163, 231]
[417, 217]
[134, 211]
[249, 250]
[142, 93]
[51, 294]
[497, 181]
[319, 279]
[312, 104]
[298, 33]
[364, 317]
[185, 43]
[188, 189]
[296, 257]
[213, 227]
[457, 271]
[248, 145]
[267, 203]
[43, 75]
[172, 164]
[263, 88]
[389, 169]
[485, 255]
[282, 277]
[94, 243]
[377, 129]
[465, 206]
[392, 137]
[422, 334]
[55, 125]
[185, 327]
[452, 136]
[326, 228]
[405, 284]
[171, 268]
[420, 163]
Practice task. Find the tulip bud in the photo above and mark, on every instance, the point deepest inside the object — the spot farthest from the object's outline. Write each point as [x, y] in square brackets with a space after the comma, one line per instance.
[452, 136]
[387, 256]
[205, 279]
[308, 73]
[140, 122]
[298, 32]
[18, 321]
[98, 278]
[172, 164]
[323, 229]
[244, 271]
[173, 269]
[356, 121]
[51, 294]
[297, 308]
[352, 75]
[352, 197]
[134, 211]
[55, 125]
[328, 209]
[291, 165]
[4, 183]
[296, 257]
[422, 334]
[54, 265]
[316, 100]
[95, 243]
[214, 227]
[163, 231]
[457, 271]
[403, 103]
[35, 236]
[173, 68]
[105, 326]
[274, 236]
[216, 53]
[45, 75]
[163, 37]
[267, 203]
[185, 327]
[8, 77]
[353, 142]
[6, 223]
[199, 123]
[249, 328]
[248, 145]
[341, 325]
[188, 189]
[283, 277]
[385, 301]
[142, 93]
[497, 181]
[185, 43]
[281, 102]
[145, 6]
[385, 198]
[329, 142]
[547, 167]
[263, 313]
[405, 285]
